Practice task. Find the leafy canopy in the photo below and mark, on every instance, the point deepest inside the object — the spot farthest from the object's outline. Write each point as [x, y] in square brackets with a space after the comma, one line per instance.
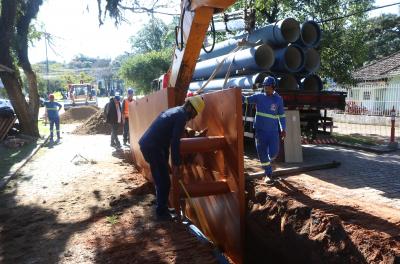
[138, 71]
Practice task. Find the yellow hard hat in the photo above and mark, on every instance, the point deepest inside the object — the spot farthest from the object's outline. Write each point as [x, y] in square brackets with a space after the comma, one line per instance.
[197, 102]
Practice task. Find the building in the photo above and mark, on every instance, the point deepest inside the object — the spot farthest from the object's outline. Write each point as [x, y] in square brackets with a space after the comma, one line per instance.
[378, 87]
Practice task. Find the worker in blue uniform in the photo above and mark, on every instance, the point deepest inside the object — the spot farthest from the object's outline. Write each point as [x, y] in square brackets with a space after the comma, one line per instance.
[52, 109]
[165, 132]
[269, 124]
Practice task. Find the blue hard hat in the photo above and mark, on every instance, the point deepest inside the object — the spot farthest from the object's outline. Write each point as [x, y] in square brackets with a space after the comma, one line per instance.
[130, 91]
[117, 96]
[269, 81]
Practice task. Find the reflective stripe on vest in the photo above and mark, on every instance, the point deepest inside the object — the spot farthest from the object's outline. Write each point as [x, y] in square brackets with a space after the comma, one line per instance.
[52, 109]
[267, 115]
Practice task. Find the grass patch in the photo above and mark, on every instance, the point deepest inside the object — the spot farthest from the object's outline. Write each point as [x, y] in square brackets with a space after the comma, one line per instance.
[44, 129]
[358, 139]
[12, 156]
[112, 219]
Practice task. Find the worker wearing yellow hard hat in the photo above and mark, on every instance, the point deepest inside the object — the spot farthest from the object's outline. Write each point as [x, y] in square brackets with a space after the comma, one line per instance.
[164, 133]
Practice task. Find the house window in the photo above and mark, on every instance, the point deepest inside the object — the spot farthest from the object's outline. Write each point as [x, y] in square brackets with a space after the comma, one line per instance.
[367, 95]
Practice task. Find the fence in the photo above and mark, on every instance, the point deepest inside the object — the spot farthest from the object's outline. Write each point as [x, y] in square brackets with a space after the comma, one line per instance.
[368, 111]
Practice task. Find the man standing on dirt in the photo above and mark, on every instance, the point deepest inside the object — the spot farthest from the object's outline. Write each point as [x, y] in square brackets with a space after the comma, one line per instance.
[165, 132]
[114, 118]
[125, 115]
[52, 109]
[269, 124]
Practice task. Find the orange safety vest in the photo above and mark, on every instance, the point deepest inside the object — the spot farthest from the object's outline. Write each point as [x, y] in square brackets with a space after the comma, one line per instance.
[126, 108]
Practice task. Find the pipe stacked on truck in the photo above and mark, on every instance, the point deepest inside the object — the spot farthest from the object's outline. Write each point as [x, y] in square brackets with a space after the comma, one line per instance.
[285, 49]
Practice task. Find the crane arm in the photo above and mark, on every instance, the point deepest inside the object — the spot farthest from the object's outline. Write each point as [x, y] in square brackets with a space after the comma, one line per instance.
[195, 18]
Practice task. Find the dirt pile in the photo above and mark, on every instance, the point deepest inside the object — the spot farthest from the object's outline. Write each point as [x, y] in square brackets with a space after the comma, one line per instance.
[284, 226]
[78, 114]
[96, 124]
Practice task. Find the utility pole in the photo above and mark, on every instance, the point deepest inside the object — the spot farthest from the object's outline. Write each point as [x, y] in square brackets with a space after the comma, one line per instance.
[46, 41]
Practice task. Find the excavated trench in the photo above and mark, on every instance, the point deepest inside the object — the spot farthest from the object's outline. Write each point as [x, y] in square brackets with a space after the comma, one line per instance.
[283, 225]
[286, 223]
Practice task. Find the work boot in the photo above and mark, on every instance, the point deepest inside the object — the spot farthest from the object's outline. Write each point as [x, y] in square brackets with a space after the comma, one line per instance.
[269, 180]
[58, 140]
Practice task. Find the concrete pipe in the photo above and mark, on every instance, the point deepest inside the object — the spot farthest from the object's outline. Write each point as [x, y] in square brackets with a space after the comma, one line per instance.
[289, 59]
[311, 82]
[258, 58]
[277, 34]
[244, 82]
[312, 61]
[310, 34]
[287, 82]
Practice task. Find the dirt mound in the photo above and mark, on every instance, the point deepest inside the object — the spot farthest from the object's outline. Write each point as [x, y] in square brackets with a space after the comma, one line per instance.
[96, 124]
[286, 226]
[78, 114]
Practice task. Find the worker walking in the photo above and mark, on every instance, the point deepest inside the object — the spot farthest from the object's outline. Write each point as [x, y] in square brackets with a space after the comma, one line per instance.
[165, 132]
[125, 115]
[52, 109]
[113, 115]
[269, 124]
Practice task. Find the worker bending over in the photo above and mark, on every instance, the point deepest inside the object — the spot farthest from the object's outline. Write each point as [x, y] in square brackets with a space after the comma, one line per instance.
[125, 115]
[52, 109]
[165, 132]
[269, 124]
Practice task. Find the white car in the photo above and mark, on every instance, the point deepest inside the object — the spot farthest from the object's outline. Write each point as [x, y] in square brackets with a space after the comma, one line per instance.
[5, 102]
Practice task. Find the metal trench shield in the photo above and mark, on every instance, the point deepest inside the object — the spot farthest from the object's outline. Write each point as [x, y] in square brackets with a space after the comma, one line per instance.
[213, 180]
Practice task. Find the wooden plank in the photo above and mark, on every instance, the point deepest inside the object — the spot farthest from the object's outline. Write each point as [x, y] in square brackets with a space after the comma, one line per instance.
[6, 124]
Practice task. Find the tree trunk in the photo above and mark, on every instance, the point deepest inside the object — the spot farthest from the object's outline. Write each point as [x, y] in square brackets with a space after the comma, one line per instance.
[27, 116]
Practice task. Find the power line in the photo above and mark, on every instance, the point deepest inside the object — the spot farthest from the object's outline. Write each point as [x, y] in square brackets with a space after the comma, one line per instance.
[356, 13]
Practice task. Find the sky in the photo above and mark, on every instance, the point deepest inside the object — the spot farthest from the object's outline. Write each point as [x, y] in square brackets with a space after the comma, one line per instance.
[75, 30]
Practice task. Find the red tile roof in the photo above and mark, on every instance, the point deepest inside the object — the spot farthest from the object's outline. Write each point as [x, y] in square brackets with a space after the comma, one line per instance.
[381, 69]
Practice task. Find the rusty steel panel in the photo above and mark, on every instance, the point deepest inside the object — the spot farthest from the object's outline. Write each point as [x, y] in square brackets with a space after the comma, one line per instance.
[212, 165]
[220, 217]
[142, 112]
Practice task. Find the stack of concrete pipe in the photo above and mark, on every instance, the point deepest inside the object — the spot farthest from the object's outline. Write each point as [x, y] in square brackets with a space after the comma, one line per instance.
[285, 49]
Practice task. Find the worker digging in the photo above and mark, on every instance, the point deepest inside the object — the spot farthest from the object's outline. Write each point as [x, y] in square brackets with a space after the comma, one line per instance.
[269, 124]
[165, 132]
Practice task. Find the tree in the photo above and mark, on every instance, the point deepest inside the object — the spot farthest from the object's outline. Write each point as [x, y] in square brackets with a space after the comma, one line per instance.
[152, 37]
[15, 19]
[382, 36]
[141, 69]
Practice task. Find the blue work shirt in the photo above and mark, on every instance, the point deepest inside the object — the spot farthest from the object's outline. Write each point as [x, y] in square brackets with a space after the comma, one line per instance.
[270, 113]
[166, 130]
[52, 109]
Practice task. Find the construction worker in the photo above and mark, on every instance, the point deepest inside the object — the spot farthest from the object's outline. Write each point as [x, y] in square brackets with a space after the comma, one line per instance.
[113, 115]
[52, 109]
[165, 132]
[125, 115]
[269, 124]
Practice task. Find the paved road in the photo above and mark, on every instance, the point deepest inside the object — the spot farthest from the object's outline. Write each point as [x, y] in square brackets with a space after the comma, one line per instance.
[371, 179]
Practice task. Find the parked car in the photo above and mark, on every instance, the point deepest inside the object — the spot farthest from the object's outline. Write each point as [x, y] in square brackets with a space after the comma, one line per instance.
[5, 103]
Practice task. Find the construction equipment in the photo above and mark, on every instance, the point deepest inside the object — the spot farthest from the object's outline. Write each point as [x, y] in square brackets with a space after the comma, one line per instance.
[213, 179]
[80, 94]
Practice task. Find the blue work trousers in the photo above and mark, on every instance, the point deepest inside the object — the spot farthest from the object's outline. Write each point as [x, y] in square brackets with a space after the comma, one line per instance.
[54, 121]
[158, 161]
[267, 144]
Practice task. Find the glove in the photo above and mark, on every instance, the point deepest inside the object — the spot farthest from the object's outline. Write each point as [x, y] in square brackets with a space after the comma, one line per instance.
[283, 134]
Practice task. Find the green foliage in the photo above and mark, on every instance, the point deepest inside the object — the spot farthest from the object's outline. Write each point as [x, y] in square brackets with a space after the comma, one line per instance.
[138, 71]
[154, 36]
[382, 36]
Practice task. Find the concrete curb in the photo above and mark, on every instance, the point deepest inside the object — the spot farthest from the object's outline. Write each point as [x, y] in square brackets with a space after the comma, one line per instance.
[4, 181]
[376, 150]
